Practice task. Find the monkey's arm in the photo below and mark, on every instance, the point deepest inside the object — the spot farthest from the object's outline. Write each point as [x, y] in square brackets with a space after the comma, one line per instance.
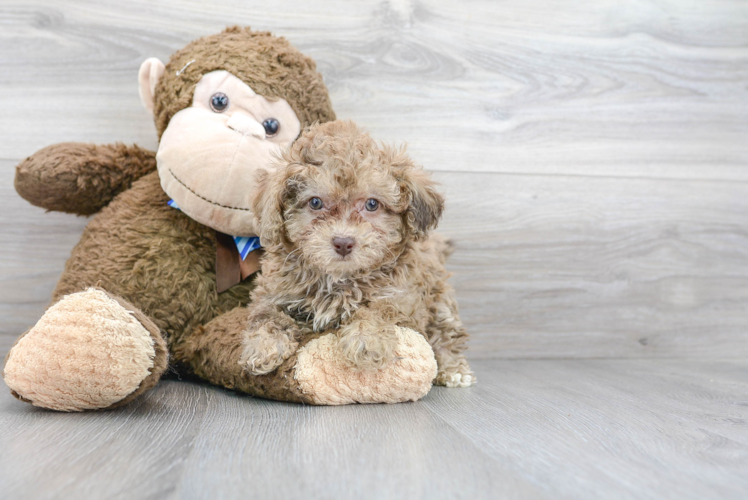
[80, 178]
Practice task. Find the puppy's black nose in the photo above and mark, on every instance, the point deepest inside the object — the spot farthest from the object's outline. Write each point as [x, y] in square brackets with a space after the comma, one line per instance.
[343, 246]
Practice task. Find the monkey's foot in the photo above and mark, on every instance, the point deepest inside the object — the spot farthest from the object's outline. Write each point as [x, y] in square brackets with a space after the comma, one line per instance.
[89, 351]
[325, 376]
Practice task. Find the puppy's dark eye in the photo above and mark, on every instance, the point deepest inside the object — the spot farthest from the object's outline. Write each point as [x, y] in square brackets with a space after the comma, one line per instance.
[271, 126]
[219, 102]
[315, 203]
[371, 204]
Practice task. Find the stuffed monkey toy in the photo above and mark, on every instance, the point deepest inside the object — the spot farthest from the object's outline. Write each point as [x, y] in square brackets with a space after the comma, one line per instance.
[164, 269]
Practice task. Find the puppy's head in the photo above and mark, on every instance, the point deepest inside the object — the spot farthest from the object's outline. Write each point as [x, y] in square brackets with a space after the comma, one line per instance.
[344, 202]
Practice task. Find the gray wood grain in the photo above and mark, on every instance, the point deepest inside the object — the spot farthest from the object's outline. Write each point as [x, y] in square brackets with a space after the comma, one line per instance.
[563, 266]
[654, 89]
[611, 428]
[572, 429]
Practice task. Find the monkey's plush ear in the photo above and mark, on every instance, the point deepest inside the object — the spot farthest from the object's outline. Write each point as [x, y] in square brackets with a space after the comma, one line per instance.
[267, 206]
[150, 73]
[425, 204]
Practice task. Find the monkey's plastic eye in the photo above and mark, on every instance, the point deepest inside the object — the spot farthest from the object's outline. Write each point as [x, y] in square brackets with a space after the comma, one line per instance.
[271, 126]
[371, 204]
[315, 203]
[219, 102]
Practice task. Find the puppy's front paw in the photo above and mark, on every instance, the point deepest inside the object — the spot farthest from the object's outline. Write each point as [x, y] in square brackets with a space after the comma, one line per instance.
[265, 349]
[367, 346]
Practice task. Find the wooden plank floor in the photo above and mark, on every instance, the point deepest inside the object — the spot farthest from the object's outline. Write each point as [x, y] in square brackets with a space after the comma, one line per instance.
[594, 156]
[552, 429]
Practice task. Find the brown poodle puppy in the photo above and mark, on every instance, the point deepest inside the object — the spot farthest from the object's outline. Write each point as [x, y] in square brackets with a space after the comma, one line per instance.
[346, 226]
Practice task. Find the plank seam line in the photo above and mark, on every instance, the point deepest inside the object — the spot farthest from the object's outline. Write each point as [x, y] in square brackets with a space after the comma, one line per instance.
[623, 177]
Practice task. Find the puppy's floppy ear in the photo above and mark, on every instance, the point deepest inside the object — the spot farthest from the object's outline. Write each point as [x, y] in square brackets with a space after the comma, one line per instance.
[267, 206]
[425, 204]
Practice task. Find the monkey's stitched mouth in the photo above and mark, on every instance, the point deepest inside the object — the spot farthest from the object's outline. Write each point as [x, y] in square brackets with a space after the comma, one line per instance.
[203, 197]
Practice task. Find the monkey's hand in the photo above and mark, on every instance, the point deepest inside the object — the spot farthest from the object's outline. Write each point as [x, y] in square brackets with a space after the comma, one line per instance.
[80, 178]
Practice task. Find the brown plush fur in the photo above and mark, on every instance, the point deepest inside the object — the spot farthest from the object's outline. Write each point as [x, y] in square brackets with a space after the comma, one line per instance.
[270, 65]
[394, 275]
[81, 178]
[214, 352]
[155, 257]
[143, 252]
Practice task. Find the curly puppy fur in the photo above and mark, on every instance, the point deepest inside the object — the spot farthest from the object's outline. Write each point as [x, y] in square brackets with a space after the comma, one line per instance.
[392, 272]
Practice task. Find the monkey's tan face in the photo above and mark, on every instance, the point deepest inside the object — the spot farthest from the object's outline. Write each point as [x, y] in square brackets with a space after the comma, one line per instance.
[345, 220]
[209, 153]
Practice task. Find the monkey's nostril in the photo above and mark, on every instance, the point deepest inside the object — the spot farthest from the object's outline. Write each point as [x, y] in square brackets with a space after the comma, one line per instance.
[343, 246]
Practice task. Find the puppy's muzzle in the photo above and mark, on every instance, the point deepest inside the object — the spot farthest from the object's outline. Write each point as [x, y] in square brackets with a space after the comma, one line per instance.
[343, 246]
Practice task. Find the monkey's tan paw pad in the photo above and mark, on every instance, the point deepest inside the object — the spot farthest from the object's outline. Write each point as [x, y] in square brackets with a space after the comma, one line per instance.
[87, 352]
[326, 377]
